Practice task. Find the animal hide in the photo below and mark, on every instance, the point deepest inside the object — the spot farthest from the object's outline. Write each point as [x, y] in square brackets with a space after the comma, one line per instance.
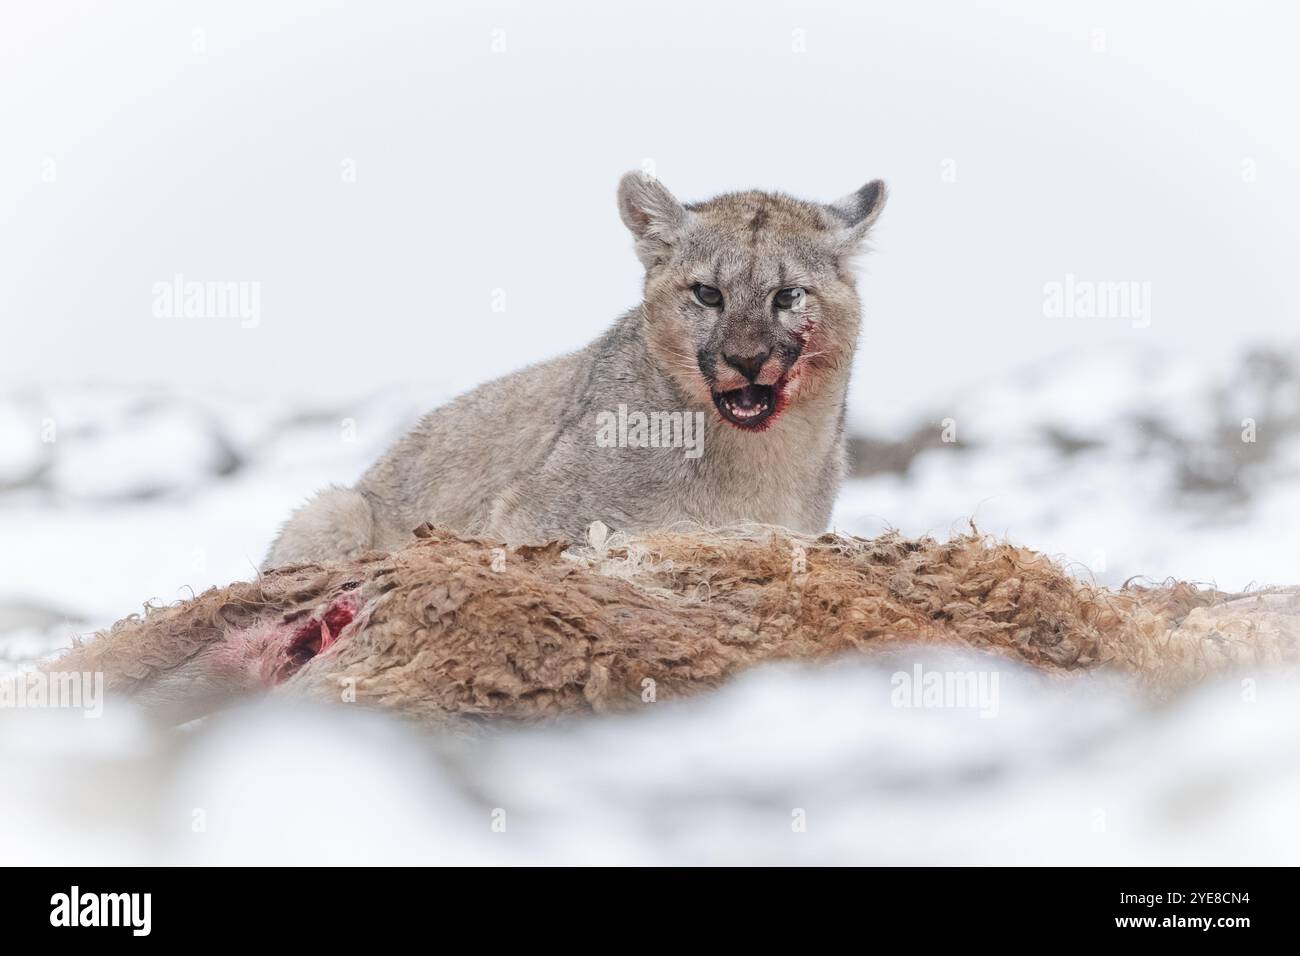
[458, 631]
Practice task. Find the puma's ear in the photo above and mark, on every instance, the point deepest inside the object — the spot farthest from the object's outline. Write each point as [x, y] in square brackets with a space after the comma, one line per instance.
[858, 211]
[653, 215]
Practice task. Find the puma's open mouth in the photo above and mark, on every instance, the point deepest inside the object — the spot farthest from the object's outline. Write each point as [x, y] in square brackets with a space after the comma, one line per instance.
[747, 407]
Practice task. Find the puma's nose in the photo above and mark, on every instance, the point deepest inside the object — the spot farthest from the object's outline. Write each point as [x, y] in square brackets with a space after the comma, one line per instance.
[748, 366]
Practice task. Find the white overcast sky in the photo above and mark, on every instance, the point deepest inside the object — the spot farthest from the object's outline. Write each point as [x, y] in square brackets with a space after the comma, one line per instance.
[479, 170]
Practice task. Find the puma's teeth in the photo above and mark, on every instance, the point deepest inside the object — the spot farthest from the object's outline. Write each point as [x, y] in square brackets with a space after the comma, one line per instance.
[747, 406]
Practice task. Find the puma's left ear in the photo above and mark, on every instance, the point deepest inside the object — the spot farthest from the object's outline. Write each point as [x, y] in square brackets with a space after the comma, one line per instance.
[653, 215]
[858, 211]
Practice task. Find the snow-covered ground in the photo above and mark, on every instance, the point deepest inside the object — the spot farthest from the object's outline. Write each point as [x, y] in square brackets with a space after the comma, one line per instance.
[1122, 463]
[1126, 464]
[785, 765]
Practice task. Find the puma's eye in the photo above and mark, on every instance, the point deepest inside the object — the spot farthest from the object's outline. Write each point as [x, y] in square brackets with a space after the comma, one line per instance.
[790, 298]
[708, 296]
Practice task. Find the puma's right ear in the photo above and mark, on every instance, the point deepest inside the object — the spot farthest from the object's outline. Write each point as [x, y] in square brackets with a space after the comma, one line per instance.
[652, 214]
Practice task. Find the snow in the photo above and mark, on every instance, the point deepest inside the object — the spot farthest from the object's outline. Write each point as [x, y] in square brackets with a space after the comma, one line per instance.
[1152, 478]
[785, 765]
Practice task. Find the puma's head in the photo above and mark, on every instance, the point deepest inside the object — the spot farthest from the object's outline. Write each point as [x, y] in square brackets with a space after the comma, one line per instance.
[749, 298]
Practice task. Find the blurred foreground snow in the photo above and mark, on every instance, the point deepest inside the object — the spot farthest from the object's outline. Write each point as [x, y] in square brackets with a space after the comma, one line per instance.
[785, 765]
